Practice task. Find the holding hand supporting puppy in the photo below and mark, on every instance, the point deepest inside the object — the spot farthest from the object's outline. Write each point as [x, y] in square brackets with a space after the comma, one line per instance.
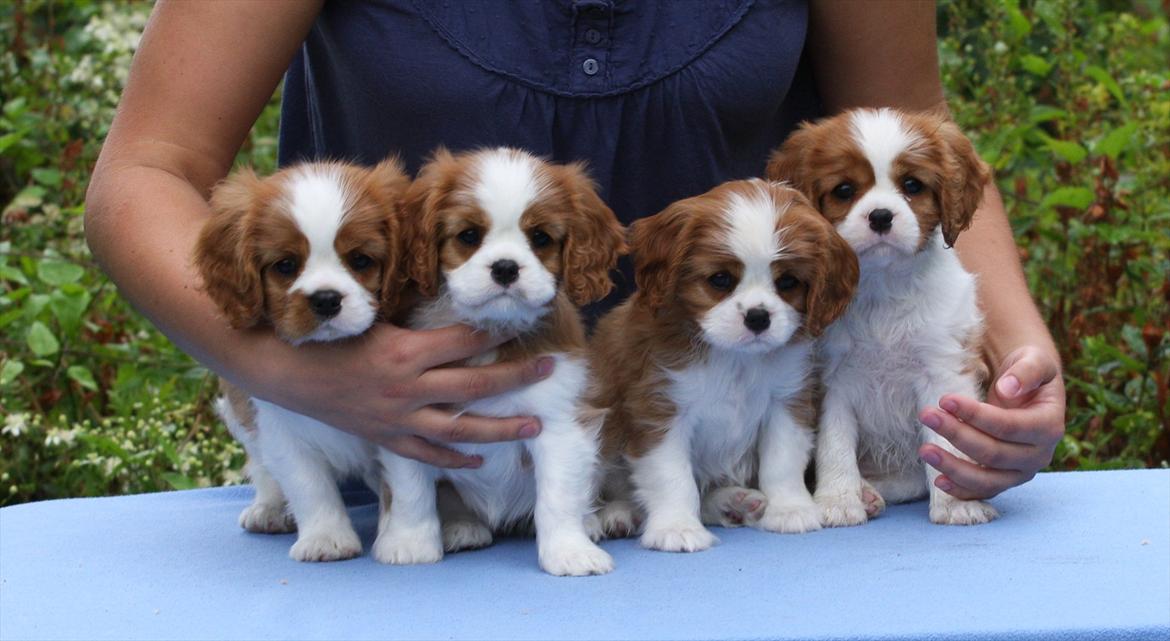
[900, 188]
[712, 358]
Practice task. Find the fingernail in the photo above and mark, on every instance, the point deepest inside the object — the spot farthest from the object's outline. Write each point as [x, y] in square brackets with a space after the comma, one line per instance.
[475, 462]
[545, 366]
[943, 483]
[528, 430]
[931, 420]
[932, 459]
[949, 406]
[1008, 386]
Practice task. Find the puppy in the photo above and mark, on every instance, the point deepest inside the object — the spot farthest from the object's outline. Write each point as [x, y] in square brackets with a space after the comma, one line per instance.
[899, 187]
[711, 360]
[314, 252]
[510, 244]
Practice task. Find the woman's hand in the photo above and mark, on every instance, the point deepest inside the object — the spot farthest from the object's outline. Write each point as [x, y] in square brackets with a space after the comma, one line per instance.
[1011, 437]
[388, 387]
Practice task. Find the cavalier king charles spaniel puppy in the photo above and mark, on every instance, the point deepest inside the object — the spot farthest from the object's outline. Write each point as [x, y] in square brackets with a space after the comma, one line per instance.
[900, 187]
[706, 373]
[312, 251]
[508, 243]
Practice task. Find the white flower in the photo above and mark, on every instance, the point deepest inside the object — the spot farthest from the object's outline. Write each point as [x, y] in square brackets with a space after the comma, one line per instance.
[15, 424]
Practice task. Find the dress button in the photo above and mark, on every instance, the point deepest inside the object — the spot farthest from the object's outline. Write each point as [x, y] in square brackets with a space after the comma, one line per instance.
[590, 66]
[592, 36]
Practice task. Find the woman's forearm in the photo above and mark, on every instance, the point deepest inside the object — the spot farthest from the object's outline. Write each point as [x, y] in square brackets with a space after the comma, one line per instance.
[988, 250]
[142, 223]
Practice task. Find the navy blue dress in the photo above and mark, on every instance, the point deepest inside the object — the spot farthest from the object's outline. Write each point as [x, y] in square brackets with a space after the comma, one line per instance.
[663, 100]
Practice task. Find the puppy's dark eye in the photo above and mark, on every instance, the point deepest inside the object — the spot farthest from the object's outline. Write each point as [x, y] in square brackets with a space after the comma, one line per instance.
[540, 239]
[722, 281]
[844, 191]
[359, 261]
[286, 266]
[911, 185]
[470, 237]
[787, 282]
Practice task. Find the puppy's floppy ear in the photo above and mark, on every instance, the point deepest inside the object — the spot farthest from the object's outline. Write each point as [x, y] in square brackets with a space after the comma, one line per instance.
[787, 163]
[836, 278]
[421, 225]
[223, 253]
[595, 240]
[387, 183]
[659, 244]
[965, 176]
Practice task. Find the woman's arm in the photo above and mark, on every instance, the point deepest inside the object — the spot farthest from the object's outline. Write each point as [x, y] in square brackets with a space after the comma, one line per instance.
[201, 76]
[885, 53]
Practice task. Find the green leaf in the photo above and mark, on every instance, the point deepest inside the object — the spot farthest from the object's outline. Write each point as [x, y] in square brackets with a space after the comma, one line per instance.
[1106, 79]
[69, 308]
[1044, 113]
[82, 377]
[59, 273]
[10, 371]
[28, 198]
[48, 177]
[1035, 65]
[7, 140]
[8, 272]
[1017, 22]
[1067, 149]
[1114, 142]
[178, 481]
[41, 341]
[1075, 197]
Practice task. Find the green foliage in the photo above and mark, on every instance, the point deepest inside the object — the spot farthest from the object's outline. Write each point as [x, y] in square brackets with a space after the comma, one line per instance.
[1068, 100]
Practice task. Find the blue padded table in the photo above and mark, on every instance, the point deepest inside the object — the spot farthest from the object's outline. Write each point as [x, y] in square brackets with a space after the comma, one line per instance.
[1075, 556]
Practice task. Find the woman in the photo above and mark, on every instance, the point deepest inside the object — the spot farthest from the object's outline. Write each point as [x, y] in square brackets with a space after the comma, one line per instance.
[664, 101]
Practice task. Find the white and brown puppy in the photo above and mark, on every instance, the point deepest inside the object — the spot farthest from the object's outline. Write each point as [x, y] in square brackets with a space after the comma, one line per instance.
[314, 252]
[712, 359]
[508, 243]
[900, 188]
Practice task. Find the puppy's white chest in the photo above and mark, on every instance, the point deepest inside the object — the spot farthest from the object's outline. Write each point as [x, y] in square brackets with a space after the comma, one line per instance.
[725, 401]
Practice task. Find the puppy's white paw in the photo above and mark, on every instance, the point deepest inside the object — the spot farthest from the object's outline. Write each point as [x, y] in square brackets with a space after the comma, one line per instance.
[265, 518]
[401, 547]
[326, 545]
[952, 511]
[793, 517]
[734, 506]
[465, 534]
[619, 519]
[874, 503]
[575, 558]
[678, 538]
[842, 510]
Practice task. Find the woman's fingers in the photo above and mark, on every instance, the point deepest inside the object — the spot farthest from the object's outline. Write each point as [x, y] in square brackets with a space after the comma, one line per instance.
[420, 449]
[433, 347]
[1027, 370]
[464, 384]
[1024, 425]
[966, 480]
[445, 426]
[980, 446]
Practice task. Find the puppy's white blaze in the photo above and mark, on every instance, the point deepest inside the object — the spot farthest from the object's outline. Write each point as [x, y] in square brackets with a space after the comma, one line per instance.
[882, 137]
[505, 186]
[318, 202]
[752, 234]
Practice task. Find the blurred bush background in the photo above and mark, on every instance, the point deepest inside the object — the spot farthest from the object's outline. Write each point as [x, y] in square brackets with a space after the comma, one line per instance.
[1069, 100]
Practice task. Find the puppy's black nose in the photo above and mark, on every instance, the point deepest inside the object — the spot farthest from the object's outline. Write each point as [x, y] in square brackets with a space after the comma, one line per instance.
[505, 272]
[757, 319]
[881, 220]
[325, 303]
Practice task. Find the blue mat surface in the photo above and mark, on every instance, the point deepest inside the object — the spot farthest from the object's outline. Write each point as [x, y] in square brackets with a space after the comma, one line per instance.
[1075, 556]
